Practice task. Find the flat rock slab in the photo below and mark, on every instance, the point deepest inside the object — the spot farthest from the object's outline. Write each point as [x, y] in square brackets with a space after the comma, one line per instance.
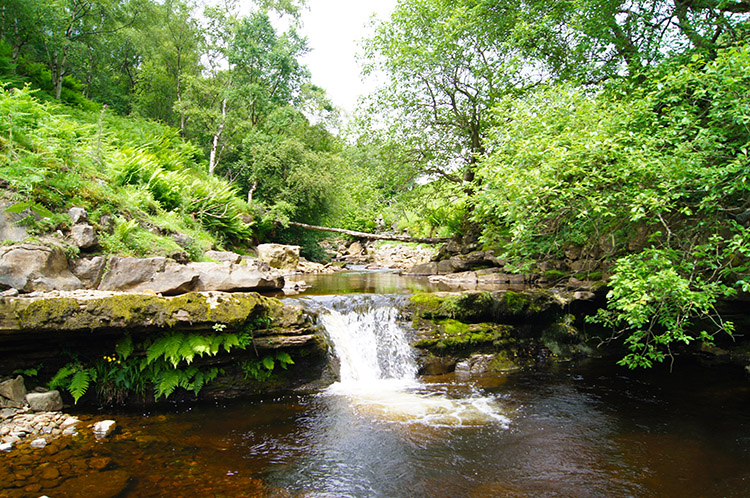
[49, 401]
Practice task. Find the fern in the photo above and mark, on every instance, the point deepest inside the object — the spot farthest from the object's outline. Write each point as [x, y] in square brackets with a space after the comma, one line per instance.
[167, 382]
[199, 344]
[79, 384]
[230, 341]
[125, 347]
[59, 379]
[157, 349]
[186, 353]
[284, 360]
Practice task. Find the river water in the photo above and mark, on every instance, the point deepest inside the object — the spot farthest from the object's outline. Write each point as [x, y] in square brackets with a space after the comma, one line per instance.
[584, 429]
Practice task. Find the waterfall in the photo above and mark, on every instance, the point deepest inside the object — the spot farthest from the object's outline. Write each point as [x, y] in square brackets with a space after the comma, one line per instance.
[370, 344]
[378, 371]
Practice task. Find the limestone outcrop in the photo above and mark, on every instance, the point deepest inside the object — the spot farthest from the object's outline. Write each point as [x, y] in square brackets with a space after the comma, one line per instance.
[30, 267]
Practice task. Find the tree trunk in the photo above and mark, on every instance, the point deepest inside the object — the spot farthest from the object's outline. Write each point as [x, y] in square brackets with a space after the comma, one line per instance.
[215, 144]
[58, 71]
[364, 235]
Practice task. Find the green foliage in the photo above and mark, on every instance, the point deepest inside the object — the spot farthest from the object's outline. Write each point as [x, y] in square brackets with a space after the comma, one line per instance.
[109, 165]
[261, 369]
[658, 169]
[656, 298]
[161, 365]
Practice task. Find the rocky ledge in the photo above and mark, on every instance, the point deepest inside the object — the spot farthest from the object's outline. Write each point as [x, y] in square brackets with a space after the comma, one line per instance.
[476, 332]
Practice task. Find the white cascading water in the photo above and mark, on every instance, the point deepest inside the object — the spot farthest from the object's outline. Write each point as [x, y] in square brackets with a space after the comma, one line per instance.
[378, 372]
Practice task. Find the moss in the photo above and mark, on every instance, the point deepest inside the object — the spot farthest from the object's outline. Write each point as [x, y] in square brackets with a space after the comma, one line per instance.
[502, 362]
[47, 311]
[428, 305]
[147, 311]
[468, 307]
[452, 336]
[514, 303]
[554, 274]
[454, 327]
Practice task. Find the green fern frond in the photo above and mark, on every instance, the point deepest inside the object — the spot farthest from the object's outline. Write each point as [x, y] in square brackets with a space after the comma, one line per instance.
[173, 347]
[214, 345]
[79, 384]
[167, 382]
[230, 341]
[199, 344]
[185, 353]
[157, 349]
[59, 378]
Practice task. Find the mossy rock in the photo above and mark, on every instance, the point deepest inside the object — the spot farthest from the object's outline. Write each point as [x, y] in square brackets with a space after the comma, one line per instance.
[470, 307]
[514, 307]
[145, 311]
[453, 336]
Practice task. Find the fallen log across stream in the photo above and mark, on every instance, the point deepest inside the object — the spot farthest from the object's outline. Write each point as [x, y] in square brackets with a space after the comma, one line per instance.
[365, 235]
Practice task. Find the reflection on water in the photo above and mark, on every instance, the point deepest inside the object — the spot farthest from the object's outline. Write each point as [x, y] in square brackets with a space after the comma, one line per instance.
[362, 281]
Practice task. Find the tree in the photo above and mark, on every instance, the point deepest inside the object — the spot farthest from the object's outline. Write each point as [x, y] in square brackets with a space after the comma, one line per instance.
[448, 62]
[592, 40]
[253, 70]
[171, 51]
[649, 175]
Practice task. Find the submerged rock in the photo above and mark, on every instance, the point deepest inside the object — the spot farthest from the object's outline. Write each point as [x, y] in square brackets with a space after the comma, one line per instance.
[104, 428]
[107, 484]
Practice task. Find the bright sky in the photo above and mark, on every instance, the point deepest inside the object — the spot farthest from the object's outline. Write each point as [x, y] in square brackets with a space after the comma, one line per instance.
[334, 29]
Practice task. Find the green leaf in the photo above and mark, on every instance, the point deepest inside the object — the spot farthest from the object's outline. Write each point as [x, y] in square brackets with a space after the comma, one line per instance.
[79, 384]
[268, 362]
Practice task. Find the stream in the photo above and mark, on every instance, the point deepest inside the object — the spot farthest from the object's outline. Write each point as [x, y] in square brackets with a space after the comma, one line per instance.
[578, 429]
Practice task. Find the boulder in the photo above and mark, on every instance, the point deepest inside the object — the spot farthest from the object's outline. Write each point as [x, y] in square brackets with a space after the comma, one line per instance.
[279, 256]
[29, 268]
[479, 363]
[401, 256]
[355, 249]
[8, 228]
[78, 215]
[224, 257]
[182, 240]
[159, 275]
[84, 236]
[108, 484]
[89, 270]
[49, 401]
[233, 278]
[14, 391]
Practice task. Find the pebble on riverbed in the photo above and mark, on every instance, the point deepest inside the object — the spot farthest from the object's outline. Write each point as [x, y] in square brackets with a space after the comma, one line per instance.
[39, 428]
